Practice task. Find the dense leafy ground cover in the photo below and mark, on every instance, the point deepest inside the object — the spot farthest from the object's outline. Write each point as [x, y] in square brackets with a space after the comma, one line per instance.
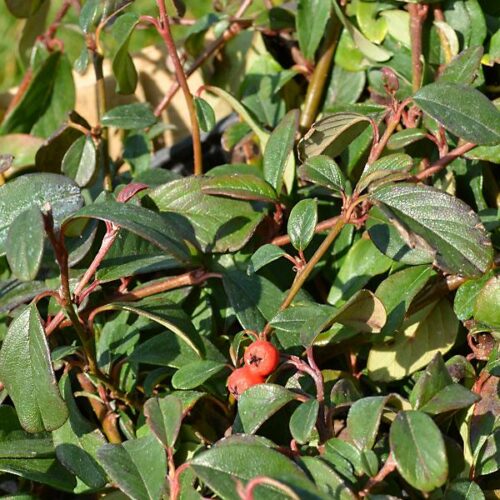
[340, 269]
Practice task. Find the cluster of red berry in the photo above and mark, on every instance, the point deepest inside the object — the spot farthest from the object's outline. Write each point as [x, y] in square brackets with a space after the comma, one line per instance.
[261, 358]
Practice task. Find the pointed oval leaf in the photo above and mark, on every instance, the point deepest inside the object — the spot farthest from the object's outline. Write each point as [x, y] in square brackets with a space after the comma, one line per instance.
[25, 241]
[164, 417]
[363, 421]
[302, 222]
[446, 223]
[77, 442]
[123, 65]
[148, 224]
[324, 171]
[464, 67]
[432, 329]
[258, 403]
[332, 134]
[383, 169]
[418, 450]
[406, 137]
[240, 186]
[462, 110]
[263, 256]
[80, 161]
[137, 466]
[195, 374]
[303, 421]
[129, 116]
[29, 190]
[278, 148]
[487, 305]
[27, 373]
[205, 114]
[310, 28]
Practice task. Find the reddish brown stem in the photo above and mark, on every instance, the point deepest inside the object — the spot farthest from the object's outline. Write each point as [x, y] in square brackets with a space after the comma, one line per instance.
[444, 161]
[389, 466]
[418, 13]
[321, 227]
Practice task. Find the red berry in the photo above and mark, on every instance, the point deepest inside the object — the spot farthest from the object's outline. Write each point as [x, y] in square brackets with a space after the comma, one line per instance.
[262, 357]
[241, 379]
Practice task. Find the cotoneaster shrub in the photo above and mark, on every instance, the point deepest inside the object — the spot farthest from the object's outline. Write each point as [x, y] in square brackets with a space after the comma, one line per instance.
[314, 314]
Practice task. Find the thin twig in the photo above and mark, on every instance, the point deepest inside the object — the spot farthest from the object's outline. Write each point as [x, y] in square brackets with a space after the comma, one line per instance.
[418, 13]
[166, 34]
[321, 227]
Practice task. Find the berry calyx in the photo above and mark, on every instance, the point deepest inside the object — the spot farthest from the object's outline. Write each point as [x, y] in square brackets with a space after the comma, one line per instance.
[262, 357]
[241, 379]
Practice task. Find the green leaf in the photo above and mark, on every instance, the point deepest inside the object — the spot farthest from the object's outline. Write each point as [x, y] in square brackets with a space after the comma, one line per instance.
[263, 256]
[363, 261]
[89, 15]
[22, 147]
[363, 421]
[261, 134]
[464, 67]
[228, 461]
[129, 117]
[123, 65]
[406, 137]
[80, 161]
[258, 403]
[451, 398]
[23, 8]
[462, 110]
[303, 421]
[167, 314]
[369, 49]
[302, 222]
[446, 224]
[25, 363]
[324, 171]
[430, 330]
[332, 134]
[240, 186]
[24, 244]
[373, 27]
[397, 292]
[395, 244]
[147, 224]
[137, 466]
[418, 450]
[461, 489]
[310, 28]
[205, 114]
[219, 224]
[466, 296]
[385, 169]
[195, 374]
[278, 149]
[327, 479]
[486, 307]
[77, 442]
[164, 417]
[30, 190]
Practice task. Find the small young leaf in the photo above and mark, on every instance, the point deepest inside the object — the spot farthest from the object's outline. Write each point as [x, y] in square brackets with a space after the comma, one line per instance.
[137, 466]
[123, 65]
[406, 137]
[279, 148]
[486, 308]
[164, 417]
[302, 222]
[324, 171]
[25, 363]
[462, 110]
[263, 256]
[80, 161]
[388, 168]
[24, 244]
[129, 116]
[303, 420]
[205, 114]
[466, 296]
[418, 450]
[310, 28]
